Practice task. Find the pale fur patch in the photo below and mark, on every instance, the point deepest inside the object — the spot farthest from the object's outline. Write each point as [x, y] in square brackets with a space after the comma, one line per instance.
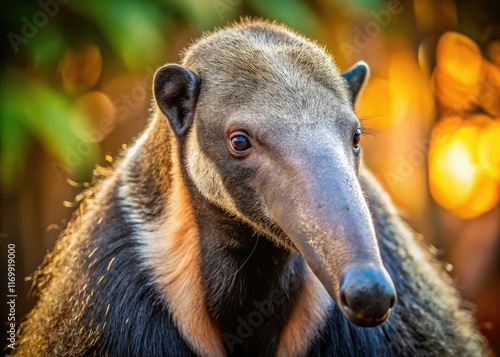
[207, 179]
[205, 176]
[307, 319]
[173, 252]
[126, 191]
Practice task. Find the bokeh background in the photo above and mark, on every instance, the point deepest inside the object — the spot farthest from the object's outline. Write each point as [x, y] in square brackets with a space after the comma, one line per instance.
[75, 83]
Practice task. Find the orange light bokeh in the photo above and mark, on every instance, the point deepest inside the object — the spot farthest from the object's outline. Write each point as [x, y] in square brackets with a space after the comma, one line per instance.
[459, 179]
[489, 150]
[81, 67]
[464, 157]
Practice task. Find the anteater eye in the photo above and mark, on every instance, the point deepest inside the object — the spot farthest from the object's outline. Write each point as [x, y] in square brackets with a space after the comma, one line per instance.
[356, 138]
[240, 143]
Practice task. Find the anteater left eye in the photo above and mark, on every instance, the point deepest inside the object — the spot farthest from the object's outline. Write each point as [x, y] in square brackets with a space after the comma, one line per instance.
[239, 144]
[356, 138]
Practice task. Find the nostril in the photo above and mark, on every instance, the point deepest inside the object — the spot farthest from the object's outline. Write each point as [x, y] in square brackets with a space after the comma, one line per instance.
[392, 302]
[343, 299]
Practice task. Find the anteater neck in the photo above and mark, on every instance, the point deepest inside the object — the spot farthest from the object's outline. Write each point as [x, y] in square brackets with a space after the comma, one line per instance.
[251, 284]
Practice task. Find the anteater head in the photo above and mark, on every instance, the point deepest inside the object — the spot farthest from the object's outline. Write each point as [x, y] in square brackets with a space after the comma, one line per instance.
[268, 133]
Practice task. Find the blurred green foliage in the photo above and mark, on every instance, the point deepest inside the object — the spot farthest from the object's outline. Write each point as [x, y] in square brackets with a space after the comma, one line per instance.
[35, 107]
[34, 110]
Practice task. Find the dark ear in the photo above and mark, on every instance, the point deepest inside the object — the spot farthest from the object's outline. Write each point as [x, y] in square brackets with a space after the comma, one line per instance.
[356, 77]
[176, 91]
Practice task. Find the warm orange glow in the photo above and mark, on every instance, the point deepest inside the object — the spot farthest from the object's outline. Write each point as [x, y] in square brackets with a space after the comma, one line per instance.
[452, 169]
[459, 165]
[488, 93]
[400, 93]
[100, 112]
[489, 150]
[374, 102]
[464, 159]
[459, 59]
[462, 78]
[451, 95]
[445, 128]
[433, 15]
[129, 94]
[493, 52]
[484, 198]
[81, 67]
[398, 104]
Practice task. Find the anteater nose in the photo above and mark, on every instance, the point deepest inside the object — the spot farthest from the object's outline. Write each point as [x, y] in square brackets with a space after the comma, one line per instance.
[367, 295]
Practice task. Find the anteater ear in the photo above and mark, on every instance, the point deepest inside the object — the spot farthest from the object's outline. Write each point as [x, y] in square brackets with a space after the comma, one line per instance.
[176, 91]
[356, 77]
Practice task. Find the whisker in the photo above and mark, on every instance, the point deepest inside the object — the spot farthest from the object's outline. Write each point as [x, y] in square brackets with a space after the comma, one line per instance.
[373, 132]
[242, 265]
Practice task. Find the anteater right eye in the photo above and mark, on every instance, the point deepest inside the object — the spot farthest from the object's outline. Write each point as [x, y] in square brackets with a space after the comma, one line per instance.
[356, 139]
[240, 143]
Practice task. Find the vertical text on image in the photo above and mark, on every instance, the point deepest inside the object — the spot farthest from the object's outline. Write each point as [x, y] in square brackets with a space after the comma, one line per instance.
[11, 295]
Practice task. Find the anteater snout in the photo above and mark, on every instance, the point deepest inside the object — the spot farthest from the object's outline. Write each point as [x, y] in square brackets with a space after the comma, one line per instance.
[366, 295]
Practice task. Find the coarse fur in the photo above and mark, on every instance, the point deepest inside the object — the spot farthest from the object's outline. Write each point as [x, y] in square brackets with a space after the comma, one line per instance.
[165, 259]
